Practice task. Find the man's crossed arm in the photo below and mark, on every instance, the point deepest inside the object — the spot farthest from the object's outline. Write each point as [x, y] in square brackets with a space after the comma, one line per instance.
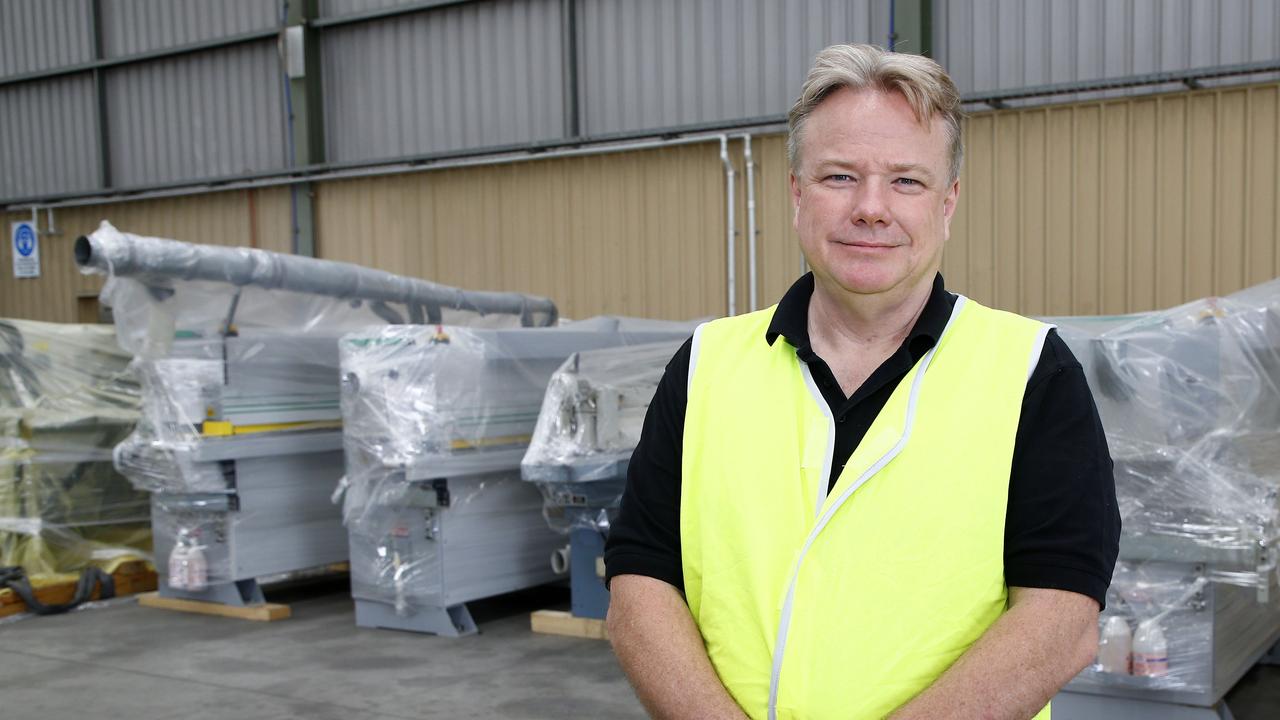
[1023, 659]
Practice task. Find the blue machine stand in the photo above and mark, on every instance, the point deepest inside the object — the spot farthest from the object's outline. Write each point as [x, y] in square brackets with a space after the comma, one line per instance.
[589, 597]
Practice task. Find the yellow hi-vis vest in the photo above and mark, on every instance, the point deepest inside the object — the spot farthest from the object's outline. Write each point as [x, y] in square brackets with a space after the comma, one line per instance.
[847, 604]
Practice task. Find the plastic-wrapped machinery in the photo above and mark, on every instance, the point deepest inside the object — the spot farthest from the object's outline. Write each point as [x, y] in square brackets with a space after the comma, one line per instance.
[240, 439]
[589, 425]
[436, 421]
[66, 397]
[1190, 401]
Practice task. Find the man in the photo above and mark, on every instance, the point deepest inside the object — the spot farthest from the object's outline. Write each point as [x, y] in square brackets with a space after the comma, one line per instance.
[876, 498]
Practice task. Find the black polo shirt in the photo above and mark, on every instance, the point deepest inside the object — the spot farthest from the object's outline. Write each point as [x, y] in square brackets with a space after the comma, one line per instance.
[1062, 527]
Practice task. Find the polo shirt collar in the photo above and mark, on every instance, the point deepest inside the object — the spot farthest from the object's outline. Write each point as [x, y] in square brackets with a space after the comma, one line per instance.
[791, 318]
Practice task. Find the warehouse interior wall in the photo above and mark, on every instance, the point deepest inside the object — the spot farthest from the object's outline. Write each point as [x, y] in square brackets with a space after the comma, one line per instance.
[250, 218]
[639, 233]
[1097, 207]
[1119, 206]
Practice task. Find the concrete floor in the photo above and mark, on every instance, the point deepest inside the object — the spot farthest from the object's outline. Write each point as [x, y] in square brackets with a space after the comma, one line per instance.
[125, 661]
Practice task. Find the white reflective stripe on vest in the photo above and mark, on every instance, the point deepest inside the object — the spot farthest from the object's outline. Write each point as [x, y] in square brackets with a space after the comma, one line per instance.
[780, 644]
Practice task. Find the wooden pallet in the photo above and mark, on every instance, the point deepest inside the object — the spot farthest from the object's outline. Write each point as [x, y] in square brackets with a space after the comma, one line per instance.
[559, 622]
[131, 577]
[262, 612]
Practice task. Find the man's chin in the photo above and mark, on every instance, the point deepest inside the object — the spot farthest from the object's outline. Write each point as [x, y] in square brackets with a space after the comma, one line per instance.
[868, 281]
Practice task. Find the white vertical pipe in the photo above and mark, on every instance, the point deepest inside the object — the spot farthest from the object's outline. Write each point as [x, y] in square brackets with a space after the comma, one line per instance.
[753, 304]
[729, 175]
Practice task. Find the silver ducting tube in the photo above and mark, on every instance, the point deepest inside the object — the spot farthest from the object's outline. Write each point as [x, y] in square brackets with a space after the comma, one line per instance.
[155, 260]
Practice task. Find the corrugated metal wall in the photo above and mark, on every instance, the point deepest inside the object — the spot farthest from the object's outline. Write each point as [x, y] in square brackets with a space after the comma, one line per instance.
[338, 8]
[43, 34]
[1119, 206]
[491, 72]
[134, 26]
[638, 233]
[659, 64]
[1004, 44]
[1099, 207]
[258, 218]
[214, 113]
[208, 114]
[473, 75]
[47, 136]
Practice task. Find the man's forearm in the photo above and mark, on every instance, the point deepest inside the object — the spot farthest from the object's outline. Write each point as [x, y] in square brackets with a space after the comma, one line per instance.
[1019, 664]
[661, 651]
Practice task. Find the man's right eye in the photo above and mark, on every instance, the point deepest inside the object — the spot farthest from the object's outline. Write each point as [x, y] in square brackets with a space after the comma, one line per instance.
[840, 178]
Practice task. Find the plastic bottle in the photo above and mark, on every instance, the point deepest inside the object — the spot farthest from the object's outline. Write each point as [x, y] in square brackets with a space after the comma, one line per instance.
[1115, 652]
[1150, 651]
[197, 568]
[178, 560]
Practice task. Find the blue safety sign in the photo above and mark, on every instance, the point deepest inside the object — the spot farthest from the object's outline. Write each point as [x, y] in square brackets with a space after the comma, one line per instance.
[26, 250]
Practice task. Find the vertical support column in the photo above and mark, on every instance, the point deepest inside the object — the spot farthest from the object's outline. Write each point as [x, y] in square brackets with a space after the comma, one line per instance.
[305, 108]
[912, 27]
[753, 280]
[569, 64]
[100, 95]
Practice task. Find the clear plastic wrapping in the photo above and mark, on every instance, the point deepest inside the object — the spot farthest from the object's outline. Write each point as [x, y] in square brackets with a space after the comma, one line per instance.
[1190, 401]
[191, 541]
[160, 290]
[230, 340]
[266, 511]
[206, 388]
[588, 426]
[435, 423]
[1157, 632]
[66, 397]
[418, 547]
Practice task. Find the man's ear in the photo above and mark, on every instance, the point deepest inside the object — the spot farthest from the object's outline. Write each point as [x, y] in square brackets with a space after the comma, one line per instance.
[949, 208]
[795, 199]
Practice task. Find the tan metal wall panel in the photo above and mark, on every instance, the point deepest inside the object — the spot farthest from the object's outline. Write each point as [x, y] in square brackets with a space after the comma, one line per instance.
[1263, 122]
[779, 259]
[636, 233]
[51, 296]
[243, 217]
[1119, 206]
[1100, 207]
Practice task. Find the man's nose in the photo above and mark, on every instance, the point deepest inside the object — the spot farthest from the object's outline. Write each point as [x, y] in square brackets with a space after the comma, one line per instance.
[871, 205]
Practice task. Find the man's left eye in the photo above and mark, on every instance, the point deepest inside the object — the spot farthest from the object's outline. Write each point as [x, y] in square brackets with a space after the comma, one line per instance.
[907, 181]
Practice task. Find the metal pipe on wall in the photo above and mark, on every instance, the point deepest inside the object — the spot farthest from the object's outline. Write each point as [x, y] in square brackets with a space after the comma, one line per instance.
[731, 255]
[753, 303]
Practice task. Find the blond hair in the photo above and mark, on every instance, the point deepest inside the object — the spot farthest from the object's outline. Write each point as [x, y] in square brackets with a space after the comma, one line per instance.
[923, 82]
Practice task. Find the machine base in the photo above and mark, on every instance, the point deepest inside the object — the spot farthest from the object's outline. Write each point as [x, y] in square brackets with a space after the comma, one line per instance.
[452, 621]
[589, 598]
[1081, 706]
[238, 593]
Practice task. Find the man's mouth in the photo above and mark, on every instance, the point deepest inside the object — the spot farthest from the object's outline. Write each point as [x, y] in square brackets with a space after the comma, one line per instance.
[863, 245]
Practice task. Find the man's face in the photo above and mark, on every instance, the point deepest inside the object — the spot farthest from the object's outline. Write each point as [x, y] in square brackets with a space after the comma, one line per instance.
[872, 200]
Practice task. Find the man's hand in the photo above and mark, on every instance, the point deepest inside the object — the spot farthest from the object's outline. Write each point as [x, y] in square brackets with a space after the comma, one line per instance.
[661, 651]
[1019, 664]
